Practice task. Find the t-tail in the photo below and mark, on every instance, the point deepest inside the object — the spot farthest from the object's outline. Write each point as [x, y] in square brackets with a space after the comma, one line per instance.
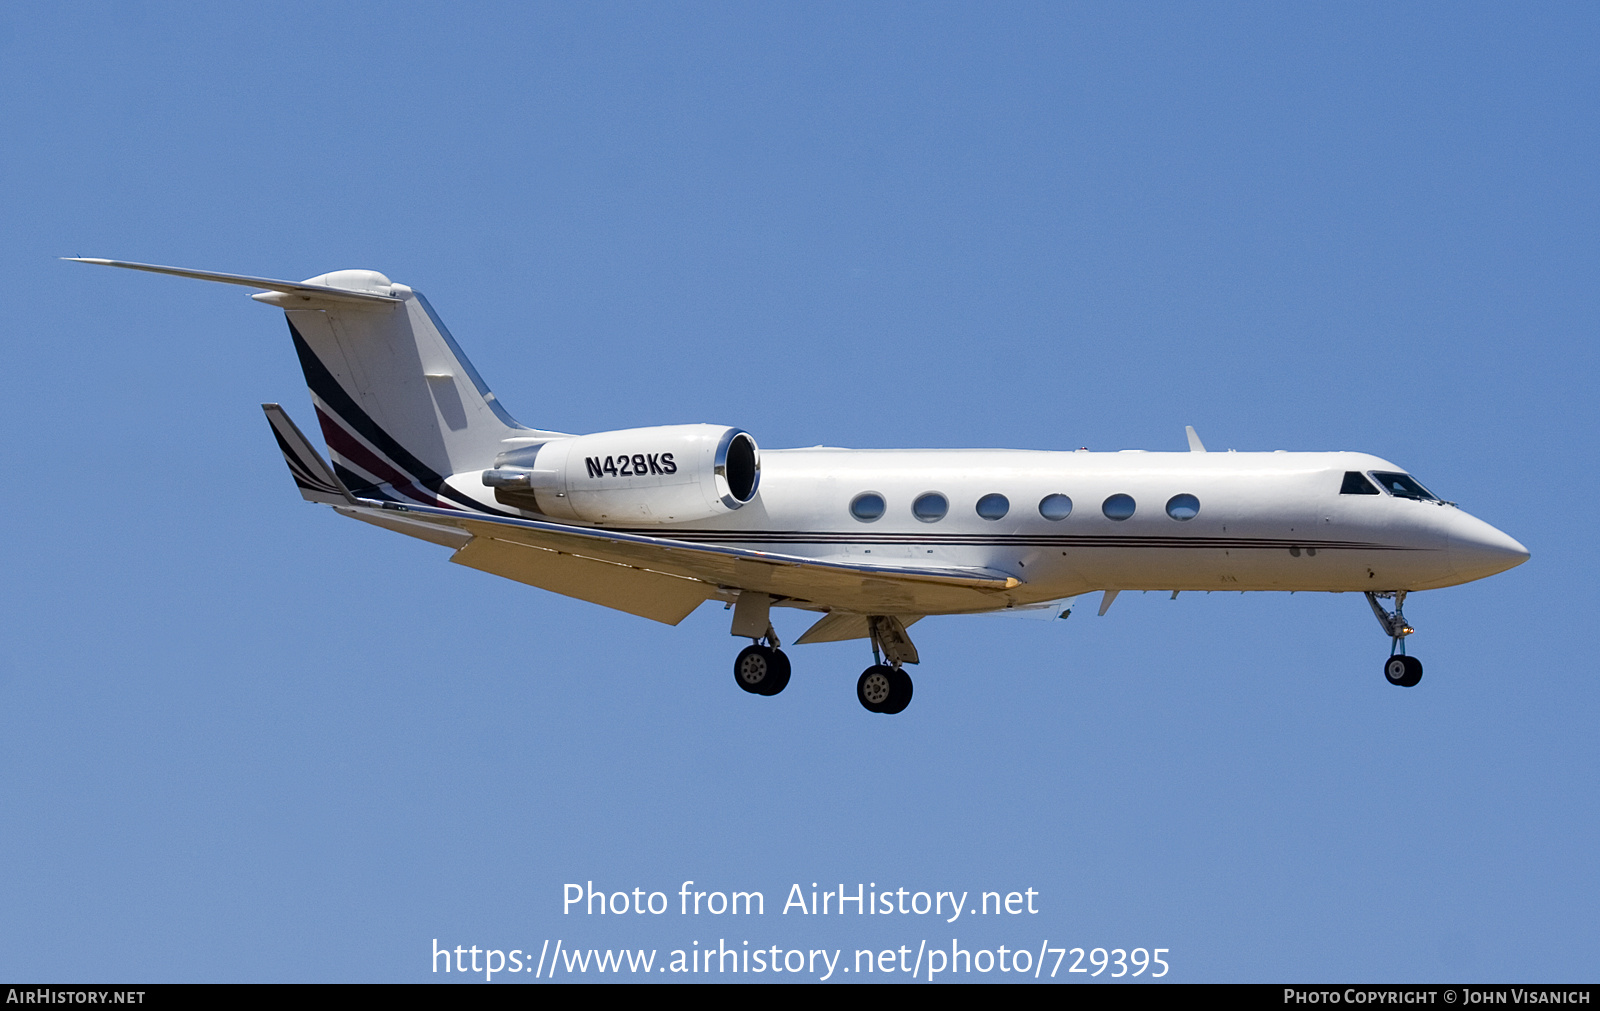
[400, 407]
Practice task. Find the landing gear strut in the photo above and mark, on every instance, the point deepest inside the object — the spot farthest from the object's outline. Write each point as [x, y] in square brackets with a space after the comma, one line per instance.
[760, 668]
[1399, 669]
[885, 687]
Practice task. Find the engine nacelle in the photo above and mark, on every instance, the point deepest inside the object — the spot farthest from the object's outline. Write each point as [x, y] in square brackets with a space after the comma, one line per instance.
[668, 474]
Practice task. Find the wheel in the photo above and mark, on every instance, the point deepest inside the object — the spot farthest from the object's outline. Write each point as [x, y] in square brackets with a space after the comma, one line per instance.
[1404, 671]
[899, 692]
[1395, 670]
[875, 687]
[884, 689]
[761, 670]
[778, 680]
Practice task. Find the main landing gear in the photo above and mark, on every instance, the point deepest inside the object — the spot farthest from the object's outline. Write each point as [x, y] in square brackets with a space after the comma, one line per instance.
[885, 687]
[762, 669]
[1400, 669]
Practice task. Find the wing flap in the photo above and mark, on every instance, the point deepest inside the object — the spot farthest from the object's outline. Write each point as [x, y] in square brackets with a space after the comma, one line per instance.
[663, 598]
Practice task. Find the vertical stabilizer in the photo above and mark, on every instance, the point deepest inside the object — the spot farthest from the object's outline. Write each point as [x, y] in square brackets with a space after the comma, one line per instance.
[400, 406]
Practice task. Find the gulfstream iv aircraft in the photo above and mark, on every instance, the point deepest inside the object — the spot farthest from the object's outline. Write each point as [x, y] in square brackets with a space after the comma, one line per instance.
[656, 521]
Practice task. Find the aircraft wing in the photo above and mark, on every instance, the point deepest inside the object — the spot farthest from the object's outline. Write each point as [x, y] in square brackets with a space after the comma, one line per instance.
[665, 579]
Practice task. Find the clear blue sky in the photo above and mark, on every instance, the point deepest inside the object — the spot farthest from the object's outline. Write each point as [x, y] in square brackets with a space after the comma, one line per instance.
[248, 740]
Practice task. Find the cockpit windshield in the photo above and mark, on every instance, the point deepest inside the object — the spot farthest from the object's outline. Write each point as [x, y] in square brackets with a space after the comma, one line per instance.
[1402, 486]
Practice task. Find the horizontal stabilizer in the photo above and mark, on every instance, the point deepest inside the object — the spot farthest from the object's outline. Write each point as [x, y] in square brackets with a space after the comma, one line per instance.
[309, 291]
[317, 481]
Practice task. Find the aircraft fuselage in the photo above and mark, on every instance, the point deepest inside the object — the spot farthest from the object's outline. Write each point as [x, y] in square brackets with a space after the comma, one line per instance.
[1261, 521]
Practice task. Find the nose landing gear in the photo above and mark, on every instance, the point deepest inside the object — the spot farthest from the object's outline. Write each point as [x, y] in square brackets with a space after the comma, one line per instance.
[1399, 669]
[1403, 670]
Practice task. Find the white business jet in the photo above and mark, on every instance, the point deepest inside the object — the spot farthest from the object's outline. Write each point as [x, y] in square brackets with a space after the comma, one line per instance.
[656, 521]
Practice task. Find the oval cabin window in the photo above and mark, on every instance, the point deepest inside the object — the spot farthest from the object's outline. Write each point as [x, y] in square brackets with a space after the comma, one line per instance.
[993, 506]
[1055, 507]
[1119, 507]
[867, 506]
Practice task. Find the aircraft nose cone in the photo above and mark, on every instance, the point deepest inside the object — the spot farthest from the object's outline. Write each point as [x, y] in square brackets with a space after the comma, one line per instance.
[1477, 549]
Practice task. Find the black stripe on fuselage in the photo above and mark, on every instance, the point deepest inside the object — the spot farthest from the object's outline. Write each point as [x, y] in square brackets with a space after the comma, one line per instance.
[790, 537]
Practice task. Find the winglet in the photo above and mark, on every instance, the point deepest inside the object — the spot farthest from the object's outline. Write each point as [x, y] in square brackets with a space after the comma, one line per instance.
[1195, 446]
[317, 481]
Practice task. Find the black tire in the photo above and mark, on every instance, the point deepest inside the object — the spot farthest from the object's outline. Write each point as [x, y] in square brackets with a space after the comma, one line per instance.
[755, 670]
[899, 694]
[778, 679]
[1413, 671]
[1403, 671]
[875, 687]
